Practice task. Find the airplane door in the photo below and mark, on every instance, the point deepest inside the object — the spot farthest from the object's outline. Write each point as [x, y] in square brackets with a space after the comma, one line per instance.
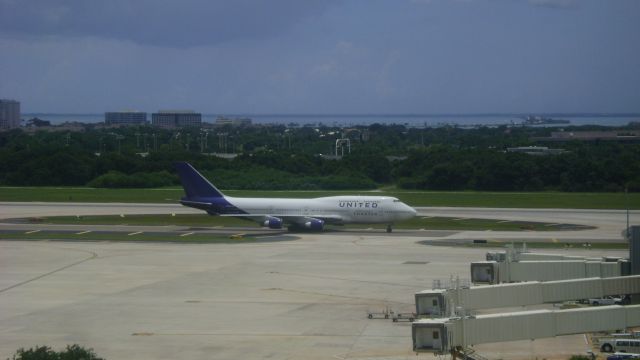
[437, 342]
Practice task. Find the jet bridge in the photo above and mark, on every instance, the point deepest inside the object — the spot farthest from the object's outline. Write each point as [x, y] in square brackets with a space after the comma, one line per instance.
[494, 272]
[523, 255]
[440, 302]
[447, 334]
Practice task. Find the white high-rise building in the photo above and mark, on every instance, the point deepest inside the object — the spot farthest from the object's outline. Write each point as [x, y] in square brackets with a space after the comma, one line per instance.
[9, 114]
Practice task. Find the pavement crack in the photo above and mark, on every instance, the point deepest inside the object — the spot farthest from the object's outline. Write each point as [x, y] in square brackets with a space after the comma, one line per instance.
[93, 256]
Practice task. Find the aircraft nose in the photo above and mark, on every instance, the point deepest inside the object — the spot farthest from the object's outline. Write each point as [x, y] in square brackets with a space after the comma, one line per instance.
[412, 211]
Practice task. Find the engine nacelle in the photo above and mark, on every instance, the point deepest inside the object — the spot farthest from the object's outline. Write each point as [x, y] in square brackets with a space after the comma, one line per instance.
[314, 224]
[273, 223]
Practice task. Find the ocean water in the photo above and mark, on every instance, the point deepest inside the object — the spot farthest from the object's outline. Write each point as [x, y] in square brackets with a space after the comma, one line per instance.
[415, 120]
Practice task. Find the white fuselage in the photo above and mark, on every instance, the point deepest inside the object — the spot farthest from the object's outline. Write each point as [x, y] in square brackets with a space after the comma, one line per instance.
[339, 209]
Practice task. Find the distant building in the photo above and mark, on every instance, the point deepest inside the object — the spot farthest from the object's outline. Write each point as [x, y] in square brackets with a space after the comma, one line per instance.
[536, 150]
[9, 114]
[125, 118]
[614, 135]
[176, 118]
[221, 121]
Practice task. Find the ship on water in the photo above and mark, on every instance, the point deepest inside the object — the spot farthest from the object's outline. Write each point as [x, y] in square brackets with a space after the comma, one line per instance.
[541, 120]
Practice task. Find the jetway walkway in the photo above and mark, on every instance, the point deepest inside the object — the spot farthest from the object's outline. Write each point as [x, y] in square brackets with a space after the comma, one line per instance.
[493, 272]
[449, 334]
[516, 265]
[441, 302]
[514, 254]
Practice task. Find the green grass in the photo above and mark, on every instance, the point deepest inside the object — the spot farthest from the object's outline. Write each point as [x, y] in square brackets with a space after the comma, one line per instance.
[148, 220]
[195, 238]
[85, 194]
[432, 223]
[413, 198]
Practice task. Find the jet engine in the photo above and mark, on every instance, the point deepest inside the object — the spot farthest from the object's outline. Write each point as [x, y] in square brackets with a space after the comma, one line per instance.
[272, 223]
[314, 224]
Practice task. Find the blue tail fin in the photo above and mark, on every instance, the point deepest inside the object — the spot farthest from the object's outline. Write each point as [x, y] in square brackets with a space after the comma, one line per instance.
[195, 185]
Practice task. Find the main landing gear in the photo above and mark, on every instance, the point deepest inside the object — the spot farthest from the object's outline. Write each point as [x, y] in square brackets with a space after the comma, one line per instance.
[389, 228]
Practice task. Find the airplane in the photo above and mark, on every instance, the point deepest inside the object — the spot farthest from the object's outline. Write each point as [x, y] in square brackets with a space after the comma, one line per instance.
[274, 213]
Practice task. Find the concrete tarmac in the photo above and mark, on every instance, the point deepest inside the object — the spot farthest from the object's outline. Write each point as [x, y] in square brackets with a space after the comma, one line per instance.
[302, 299]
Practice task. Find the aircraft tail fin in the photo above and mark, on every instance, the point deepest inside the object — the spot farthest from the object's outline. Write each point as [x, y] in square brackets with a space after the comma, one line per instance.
[195, 185]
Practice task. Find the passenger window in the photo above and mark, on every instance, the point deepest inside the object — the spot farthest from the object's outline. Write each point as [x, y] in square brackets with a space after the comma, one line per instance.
[622, 343]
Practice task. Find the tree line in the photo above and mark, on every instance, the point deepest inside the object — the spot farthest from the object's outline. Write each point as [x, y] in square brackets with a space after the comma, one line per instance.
[277, 158]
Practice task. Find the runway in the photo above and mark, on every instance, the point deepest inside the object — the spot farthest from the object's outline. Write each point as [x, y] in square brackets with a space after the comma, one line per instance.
[609, 223]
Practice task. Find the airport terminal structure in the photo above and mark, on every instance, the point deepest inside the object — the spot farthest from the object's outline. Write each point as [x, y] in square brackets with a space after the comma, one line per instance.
[451, 323]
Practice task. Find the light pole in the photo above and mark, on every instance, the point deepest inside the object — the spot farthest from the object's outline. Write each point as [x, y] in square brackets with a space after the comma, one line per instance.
[626, 201]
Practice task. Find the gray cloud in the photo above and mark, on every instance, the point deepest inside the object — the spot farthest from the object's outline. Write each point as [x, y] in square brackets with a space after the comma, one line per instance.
[172, 23]
[367, 56]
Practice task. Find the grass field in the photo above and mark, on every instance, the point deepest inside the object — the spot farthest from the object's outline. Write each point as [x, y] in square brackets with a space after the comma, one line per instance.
[413, 198]
[67, 236]
[431, 223]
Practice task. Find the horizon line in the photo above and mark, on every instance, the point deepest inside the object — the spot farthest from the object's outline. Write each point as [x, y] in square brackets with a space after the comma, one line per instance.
[444, 114]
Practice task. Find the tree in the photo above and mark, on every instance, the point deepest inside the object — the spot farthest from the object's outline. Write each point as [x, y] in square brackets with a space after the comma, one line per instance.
[37, 122]
[72, 352]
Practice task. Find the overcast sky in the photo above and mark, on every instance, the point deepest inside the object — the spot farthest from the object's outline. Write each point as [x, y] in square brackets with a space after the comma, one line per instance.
[325, 56]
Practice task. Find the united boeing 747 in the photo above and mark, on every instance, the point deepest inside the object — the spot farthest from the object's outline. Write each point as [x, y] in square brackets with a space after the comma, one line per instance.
[275, 213]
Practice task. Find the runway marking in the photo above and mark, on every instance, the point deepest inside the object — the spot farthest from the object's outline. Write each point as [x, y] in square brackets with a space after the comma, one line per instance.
[32, 231]
[83, 232]
[426, 217]
[93, 256]
[504, 221]
[186, 234]
[458, 219]
[135, 233]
